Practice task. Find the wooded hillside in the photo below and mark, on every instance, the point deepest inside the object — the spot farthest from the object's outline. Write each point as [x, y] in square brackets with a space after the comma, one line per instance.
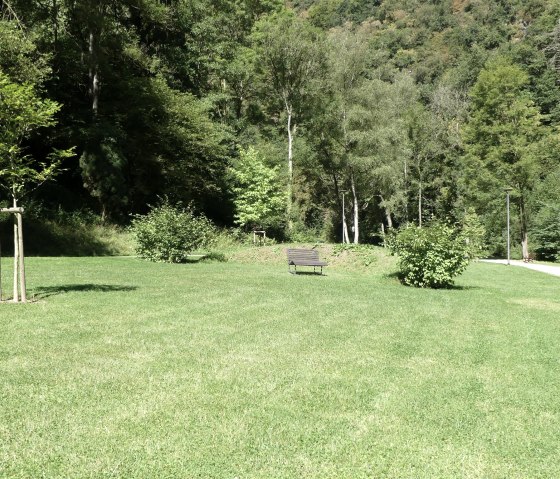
[411, 110]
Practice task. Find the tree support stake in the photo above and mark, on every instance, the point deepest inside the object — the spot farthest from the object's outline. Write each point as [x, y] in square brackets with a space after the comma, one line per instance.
[19, 263]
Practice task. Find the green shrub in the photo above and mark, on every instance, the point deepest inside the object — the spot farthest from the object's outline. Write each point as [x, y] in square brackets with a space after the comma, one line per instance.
[429, 257]
[169, 234]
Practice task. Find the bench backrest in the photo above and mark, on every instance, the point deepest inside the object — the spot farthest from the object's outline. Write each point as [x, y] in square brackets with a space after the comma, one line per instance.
[299, 254]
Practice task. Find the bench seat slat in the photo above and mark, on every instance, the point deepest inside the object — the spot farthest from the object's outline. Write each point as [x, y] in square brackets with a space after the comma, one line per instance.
[308, 263]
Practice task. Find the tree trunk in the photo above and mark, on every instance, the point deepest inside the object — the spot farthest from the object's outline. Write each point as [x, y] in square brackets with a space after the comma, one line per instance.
[93, 71]
[355, 208]
[406, 189]
[290, 164]
[55, 24]
[388, 217]
[345, 238]
[420, 204]
[387, 214]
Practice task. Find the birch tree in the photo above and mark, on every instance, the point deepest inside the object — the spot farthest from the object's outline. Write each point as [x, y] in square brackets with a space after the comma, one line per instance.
[289, 57]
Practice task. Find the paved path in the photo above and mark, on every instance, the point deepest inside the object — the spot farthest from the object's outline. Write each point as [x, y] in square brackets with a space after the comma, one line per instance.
[543, 268]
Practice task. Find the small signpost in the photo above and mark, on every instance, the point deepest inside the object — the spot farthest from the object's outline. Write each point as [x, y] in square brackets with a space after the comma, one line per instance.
[19, 266]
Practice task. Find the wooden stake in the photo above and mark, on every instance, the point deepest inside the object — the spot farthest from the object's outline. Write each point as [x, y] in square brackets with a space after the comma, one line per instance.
[21, 259]
[15, 298]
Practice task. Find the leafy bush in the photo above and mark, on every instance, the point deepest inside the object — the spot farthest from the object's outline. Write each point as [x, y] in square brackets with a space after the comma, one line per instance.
[168, 233]
[430, 256]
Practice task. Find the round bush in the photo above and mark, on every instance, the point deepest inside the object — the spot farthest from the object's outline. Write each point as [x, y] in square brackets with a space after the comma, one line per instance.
[169, 234]
[429, 257]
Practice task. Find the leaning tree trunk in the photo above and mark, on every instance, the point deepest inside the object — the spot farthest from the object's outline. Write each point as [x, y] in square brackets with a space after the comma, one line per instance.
[355, 209]
[289, 111]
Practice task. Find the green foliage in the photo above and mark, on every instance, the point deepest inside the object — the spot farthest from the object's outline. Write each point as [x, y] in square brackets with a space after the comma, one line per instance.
[290, 55]
[473, 232]
[502, 141]
[103, 166]
[22, 111]
[169, 234]
[546, 232]
[546, 224]
[258, 196]
[19, 56]
[431, 256]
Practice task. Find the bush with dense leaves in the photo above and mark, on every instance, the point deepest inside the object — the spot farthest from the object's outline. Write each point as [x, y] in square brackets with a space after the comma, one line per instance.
[168, 233]
[429, 257]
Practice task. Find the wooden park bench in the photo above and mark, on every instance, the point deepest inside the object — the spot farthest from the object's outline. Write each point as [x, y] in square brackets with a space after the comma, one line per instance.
[304, 257]
[530, 258]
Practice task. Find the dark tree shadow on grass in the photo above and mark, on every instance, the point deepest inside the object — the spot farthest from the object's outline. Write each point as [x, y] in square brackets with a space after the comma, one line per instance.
[45, 291]
[453, 287]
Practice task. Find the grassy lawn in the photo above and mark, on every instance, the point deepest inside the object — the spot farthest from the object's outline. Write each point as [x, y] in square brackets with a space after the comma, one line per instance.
[128, 369]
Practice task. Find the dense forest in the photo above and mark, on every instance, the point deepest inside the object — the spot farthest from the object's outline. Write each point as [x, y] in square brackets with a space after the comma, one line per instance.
[272, 114]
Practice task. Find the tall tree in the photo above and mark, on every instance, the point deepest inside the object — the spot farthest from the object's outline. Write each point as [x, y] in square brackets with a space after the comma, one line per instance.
[501, 141]
[289, 57]
[347, 63]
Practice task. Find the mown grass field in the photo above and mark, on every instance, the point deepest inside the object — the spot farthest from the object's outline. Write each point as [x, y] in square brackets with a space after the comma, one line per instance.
[127, 369]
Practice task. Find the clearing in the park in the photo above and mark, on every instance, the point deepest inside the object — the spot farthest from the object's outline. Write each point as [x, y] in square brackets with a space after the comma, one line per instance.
[124, 368]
